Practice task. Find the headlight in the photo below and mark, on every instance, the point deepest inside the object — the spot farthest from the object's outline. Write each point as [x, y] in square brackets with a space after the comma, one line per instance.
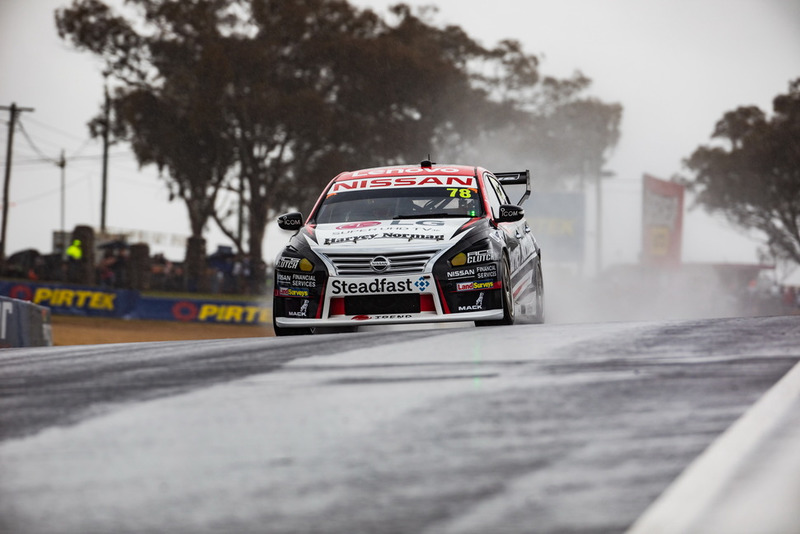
[458, 260]
[306, 266]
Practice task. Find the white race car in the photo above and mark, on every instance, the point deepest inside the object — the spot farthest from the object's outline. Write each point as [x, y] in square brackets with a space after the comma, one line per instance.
[409, 244]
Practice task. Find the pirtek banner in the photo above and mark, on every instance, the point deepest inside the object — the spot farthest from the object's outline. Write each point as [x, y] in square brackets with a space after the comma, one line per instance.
[662, 222]
[100, 302]
[73, 300]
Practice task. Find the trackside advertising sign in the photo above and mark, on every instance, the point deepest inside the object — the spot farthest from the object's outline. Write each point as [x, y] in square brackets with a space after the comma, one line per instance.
[662, 221]
[73, 300]
[204, 311]
[557, 220]
[126, 304]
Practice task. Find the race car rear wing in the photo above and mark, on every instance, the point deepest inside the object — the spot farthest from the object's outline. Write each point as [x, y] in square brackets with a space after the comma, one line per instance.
[516, 178]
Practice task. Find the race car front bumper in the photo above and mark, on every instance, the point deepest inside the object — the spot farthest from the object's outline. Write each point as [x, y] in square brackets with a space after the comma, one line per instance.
[388, 319]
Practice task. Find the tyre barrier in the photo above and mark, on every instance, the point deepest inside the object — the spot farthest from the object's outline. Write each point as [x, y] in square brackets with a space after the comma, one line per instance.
[23, 324]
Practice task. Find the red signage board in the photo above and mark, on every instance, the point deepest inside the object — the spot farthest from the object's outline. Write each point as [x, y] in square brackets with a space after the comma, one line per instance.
[662, 222]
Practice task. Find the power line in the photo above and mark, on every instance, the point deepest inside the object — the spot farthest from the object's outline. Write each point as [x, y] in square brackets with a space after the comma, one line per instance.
[35, 148]
[56, 130]
[51, 161]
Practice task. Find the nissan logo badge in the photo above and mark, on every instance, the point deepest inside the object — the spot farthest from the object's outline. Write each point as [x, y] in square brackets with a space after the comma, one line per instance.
[380, 264]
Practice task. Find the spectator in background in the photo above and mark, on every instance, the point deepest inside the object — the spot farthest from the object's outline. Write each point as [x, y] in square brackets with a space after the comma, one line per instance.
[74, 257]
[105, 270]
[120, 268]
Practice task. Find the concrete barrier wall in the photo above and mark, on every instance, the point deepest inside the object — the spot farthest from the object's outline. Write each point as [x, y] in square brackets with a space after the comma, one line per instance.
[23, 324]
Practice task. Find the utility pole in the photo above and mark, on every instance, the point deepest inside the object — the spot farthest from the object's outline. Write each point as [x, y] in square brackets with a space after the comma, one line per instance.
[599, 223]
[106, 127]
[63, 164]
[14, 110]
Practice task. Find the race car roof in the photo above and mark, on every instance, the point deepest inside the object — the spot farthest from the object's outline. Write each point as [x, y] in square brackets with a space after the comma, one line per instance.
[408, 170]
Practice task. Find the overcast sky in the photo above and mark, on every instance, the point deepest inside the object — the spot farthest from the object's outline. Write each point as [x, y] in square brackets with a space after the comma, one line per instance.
[675, 66]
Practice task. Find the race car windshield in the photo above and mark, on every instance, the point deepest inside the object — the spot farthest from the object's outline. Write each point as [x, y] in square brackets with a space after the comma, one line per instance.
[411, 203]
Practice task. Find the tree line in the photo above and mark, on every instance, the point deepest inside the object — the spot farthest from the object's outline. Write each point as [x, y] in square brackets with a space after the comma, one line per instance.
[248, 107]
[751, 174]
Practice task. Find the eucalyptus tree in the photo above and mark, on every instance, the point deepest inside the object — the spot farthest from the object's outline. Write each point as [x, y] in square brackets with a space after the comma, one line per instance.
[752, 176]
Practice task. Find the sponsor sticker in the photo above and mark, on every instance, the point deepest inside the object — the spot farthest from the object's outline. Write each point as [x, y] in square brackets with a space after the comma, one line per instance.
[303, 280]
[484, 271]
[475, 307]
[372, 317]
[384, 235]
[361, 181]
[292, 292]
[302, 312]
[477, 285]
[479, 256]
[372, 286]
[358, 225]
[461, 273]
[287, 263]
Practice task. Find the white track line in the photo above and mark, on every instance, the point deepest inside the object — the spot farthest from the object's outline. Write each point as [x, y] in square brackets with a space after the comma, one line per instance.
[699, 492]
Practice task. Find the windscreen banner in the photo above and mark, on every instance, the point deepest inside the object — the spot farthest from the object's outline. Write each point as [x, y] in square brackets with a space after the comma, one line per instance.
[557, 221]
[662, 222]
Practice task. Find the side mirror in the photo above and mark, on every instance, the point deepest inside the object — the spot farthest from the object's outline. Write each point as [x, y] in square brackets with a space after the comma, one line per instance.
[510, 213]
[291, 221]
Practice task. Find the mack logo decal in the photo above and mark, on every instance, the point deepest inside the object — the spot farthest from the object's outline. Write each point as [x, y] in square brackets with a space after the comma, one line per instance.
[302, 312]
[475, 307]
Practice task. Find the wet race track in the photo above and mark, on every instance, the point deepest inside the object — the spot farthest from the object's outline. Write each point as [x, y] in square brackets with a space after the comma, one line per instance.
[540, 428]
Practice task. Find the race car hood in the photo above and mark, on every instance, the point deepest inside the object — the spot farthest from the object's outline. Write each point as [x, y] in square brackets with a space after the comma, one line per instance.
[389, 232]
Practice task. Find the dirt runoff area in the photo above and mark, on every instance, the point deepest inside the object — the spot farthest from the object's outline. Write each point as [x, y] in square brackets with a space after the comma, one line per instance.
[71, 330]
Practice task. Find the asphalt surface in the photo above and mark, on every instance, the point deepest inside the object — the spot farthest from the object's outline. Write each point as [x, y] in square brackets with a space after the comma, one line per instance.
[543, 428]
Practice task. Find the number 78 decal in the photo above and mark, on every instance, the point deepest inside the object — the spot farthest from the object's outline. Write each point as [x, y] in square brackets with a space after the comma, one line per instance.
[461, 192]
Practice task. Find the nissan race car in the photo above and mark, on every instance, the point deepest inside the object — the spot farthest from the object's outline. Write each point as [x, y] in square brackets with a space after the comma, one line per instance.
[409, 244]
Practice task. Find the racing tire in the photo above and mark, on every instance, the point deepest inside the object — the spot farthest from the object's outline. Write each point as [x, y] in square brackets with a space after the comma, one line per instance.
[538, 285]
[509, 316]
